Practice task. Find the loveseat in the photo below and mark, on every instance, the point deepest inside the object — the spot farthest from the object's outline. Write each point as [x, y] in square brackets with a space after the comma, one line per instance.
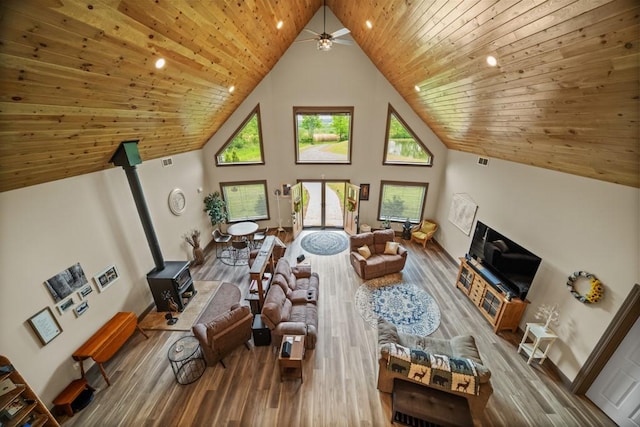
[290, 304]
[375, 254]
[223, 325]
[458, 348]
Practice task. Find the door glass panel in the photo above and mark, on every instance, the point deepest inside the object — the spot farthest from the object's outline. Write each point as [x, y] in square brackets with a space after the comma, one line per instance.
[334, 204]
[312, 204]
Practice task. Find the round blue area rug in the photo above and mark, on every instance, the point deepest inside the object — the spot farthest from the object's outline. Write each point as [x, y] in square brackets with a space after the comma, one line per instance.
[410, 308]
[324, 243]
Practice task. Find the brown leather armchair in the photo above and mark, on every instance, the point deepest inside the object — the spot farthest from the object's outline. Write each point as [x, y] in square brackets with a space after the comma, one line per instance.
[223, 324]
[424, 231]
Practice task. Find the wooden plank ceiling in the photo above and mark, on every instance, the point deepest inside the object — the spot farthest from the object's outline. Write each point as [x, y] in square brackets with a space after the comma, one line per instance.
[77, 76]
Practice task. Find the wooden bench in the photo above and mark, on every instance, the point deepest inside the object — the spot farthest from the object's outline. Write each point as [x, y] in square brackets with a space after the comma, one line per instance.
[69, 394]
[107, 341]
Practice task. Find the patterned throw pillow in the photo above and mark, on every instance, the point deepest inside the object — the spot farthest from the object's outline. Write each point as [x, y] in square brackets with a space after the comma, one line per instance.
[391, 248]
[364, 251]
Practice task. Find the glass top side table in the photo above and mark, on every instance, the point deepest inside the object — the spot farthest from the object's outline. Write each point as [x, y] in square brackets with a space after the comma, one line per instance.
[186, 359]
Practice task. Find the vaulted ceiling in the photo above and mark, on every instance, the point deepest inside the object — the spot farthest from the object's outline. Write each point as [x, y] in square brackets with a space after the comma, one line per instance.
[77, 77]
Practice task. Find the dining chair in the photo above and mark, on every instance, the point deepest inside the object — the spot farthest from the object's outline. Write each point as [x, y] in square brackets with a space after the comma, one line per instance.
[238, 247]
[258, 238]
[220, 239]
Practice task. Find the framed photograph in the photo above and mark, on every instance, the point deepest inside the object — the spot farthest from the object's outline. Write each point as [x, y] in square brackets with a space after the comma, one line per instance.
[106, 277]
[286, 190]
[45, 325]
[80, 309]
[84, 291]
[65, 305]
[66, 282]
[364, 191]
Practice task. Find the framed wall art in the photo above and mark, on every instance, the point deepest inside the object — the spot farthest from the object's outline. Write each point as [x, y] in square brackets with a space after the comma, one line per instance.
[364, 191]
[81, 308]
[65, 305]
[106, 277]
[66, 282]
[84, 291]
[45, 325]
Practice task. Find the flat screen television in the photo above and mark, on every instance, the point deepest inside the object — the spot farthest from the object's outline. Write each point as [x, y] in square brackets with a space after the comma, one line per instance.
[513, 266]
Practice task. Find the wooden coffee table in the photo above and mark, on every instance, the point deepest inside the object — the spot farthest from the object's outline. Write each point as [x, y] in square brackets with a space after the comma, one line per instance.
[291, 367]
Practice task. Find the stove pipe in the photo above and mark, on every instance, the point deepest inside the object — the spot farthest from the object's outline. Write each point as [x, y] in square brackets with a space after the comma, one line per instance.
[128, 157]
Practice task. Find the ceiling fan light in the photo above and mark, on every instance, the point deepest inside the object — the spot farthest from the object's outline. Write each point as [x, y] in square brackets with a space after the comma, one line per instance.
[324, 44]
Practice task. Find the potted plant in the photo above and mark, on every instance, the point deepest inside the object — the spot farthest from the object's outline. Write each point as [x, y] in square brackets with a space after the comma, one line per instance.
[216, 208]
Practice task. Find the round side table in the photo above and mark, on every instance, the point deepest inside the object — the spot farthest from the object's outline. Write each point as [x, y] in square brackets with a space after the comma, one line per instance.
[186, 359]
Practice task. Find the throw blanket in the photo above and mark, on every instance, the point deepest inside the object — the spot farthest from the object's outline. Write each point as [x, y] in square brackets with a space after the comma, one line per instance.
[437, 370]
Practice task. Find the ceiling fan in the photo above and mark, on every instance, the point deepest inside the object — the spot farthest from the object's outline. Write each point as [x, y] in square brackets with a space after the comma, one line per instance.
[325, 40]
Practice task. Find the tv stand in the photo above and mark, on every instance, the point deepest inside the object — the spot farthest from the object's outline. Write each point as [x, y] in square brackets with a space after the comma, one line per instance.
[498, 306]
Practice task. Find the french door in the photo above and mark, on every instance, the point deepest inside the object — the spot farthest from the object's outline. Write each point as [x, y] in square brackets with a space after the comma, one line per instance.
[323, 203]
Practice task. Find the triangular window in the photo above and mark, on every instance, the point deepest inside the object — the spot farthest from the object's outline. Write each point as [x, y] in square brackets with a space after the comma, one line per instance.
[402, 146]
[245, 145]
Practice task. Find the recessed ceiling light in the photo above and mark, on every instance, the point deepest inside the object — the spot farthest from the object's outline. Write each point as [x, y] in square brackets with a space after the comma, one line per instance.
[232, 88]
[417, 88]
[279, 24]
[492, 61]
[160, 63]
[369, 24]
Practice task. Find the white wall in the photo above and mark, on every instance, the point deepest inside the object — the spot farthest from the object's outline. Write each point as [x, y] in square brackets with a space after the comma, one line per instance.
[344, 76]
[572, 223]
[89, 219]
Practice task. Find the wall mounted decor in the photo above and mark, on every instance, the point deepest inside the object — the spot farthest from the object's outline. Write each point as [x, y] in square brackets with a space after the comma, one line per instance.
[84, 291]
[462, 212]
[45, 325]
[66, 282]
[65, 305]
[177, 201]
[81, 308]
[364, 191]
[106, 277]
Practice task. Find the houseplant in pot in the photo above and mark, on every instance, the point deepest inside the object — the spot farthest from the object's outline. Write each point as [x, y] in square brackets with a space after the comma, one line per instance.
[216, 208]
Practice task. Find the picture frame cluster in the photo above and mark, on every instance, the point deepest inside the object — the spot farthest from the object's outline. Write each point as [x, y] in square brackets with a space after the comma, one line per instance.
[70, 291]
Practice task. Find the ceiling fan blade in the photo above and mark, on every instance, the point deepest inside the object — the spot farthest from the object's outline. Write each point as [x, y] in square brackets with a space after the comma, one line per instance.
[342, 41]
[306, 40]
[312, 32]
[340, 32]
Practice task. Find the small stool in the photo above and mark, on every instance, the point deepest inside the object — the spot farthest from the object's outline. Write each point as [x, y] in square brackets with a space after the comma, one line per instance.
[70, 393]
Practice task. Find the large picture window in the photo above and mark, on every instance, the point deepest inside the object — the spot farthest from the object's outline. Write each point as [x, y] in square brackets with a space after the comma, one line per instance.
[246, 200]
[323, 134]
[245, 145]
[401, 200]
[401, 145]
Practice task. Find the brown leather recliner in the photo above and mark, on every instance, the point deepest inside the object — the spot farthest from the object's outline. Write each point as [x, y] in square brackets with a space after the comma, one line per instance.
[223, 325]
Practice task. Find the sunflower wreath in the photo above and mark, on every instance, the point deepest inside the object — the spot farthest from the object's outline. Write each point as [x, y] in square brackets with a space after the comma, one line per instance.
[594, 295]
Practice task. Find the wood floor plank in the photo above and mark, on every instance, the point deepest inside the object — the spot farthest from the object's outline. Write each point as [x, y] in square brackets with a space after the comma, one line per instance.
[340, 375]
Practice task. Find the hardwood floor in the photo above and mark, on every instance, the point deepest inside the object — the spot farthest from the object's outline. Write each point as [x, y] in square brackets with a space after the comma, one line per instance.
[340, 375]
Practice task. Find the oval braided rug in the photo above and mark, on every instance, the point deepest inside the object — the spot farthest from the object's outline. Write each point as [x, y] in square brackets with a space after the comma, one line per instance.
[406, 305]
[324, 243]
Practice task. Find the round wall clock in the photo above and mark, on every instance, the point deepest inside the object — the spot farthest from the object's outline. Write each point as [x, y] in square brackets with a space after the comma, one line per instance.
[177, 201]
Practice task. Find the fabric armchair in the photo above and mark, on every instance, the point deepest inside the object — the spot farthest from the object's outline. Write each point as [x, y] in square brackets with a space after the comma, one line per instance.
[424, 231]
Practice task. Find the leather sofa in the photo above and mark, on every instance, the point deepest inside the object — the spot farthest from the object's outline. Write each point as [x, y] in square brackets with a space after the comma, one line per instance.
[380, 261]
[223, 325]
[299, 284]
[287, 309]
[460, 347]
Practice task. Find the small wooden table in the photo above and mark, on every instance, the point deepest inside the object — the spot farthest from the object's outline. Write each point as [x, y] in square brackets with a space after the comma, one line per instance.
[540, 335]
[291, 367]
